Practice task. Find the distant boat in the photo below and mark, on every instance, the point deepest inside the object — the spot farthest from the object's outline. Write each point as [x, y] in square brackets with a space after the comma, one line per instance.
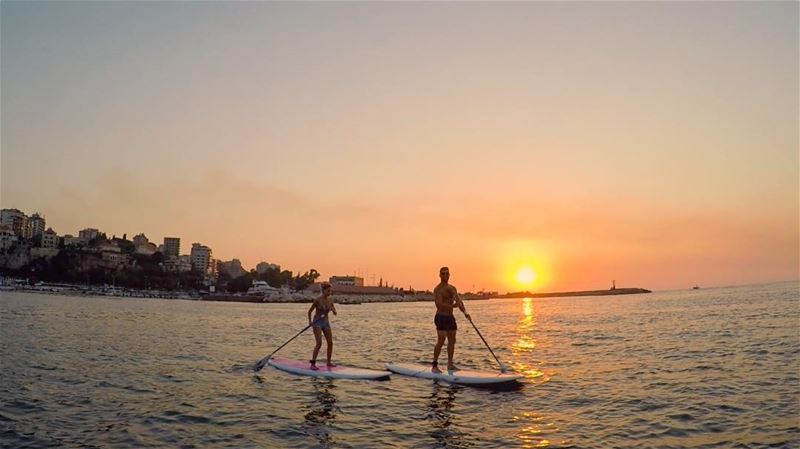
[262, 288]
[696, 287]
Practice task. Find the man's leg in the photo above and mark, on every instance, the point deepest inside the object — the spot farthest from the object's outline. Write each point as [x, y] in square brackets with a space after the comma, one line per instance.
[451, 347]
[440, 336]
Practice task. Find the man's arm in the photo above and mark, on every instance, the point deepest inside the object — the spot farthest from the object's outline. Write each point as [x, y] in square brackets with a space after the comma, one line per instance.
[460, 303]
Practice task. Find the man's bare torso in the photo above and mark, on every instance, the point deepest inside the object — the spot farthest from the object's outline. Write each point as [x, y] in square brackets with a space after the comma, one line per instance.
[445, 295]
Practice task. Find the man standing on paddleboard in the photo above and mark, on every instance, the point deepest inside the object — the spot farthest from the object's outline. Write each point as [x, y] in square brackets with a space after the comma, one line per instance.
[446, 298]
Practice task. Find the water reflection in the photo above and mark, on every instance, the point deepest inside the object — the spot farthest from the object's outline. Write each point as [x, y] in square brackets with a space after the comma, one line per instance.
[535, 430]
[322, 412]
[440, 415]
[525, 342]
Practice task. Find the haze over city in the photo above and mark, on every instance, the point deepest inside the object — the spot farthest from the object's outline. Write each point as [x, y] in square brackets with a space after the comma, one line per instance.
[524, 145]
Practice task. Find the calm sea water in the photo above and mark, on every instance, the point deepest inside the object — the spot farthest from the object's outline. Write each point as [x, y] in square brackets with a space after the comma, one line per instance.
[711, 368]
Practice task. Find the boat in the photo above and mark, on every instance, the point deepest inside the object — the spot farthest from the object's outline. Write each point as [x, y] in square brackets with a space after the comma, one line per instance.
[262, 288]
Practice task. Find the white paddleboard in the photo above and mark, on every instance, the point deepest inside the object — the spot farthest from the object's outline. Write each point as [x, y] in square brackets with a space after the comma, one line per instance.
[462, 376]
[337, 372]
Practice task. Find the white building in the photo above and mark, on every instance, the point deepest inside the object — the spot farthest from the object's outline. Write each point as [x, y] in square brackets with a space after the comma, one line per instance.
[35, 226]
[147, 249]
[172, 246]
[347, 280]
[15, 219]
[71, 240]
[233, 268]
[201, 258]
[88, 234]
[49, 239]
[140, 239]
[7, 238]
[180, 264]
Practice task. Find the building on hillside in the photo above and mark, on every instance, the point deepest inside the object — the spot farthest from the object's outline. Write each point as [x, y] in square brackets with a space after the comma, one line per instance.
[181, 264]
[140, 239]
[15, 219]
[147, 249]
[202, 261]
[233, 268]
[71, 240]
[35, 226]
[347, 280]
[88, 234]
[172, 246]
[7, 238]
[49, 239]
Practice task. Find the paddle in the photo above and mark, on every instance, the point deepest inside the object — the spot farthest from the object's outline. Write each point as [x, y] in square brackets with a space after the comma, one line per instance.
[503, 367]
[258, 366]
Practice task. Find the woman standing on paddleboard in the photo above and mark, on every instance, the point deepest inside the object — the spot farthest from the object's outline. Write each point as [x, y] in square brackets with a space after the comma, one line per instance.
[321, 326]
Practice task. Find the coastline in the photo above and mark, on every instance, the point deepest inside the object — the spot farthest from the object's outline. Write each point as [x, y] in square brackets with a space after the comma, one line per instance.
[298, 297]
[609, 292]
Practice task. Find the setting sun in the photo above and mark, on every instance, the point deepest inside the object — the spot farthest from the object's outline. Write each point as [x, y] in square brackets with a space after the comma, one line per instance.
[526, 276]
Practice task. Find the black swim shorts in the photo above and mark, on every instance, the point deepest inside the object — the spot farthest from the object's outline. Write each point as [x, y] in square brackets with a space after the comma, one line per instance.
[445, 322]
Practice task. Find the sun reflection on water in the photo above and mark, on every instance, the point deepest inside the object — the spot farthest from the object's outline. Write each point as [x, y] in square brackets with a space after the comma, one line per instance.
[525, 342]
[533, 434]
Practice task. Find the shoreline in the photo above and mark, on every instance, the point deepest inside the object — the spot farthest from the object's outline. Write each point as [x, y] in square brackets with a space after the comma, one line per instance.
[304, 297]
[609, 292]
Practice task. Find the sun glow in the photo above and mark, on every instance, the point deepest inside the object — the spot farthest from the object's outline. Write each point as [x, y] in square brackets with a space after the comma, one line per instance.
[524, 265]
[526, 276]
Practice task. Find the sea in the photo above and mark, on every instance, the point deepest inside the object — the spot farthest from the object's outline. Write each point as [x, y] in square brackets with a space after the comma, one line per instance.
[707, 368]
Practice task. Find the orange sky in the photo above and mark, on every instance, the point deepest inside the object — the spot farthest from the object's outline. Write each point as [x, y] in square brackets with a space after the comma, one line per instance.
[651, 144]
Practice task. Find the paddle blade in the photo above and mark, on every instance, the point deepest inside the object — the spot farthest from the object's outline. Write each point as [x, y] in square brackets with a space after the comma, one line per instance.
[260, 365]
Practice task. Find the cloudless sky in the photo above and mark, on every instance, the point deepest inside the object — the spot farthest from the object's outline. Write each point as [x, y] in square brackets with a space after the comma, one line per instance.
[651, 143]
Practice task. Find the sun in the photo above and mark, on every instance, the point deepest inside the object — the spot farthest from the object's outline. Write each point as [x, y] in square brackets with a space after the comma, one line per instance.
[526, 276]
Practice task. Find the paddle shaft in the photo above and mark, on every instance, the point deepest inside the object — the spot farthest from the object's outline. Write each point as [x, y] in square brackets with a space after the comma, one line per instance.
[263, 361]
[486, 343]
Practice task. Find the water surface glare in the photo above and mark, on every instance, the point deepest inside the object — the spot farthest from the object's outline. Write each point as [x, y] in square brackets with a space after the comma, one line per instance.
[710, 368]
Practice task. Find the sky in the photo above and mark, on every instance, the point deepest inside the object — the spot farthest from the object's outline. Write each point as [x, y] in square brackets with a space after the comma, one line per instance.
[654, 144]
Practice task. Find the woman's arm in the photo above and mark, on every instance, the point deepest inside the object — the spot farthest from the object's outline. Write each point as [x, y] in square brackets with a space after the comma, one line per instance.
[311, 309]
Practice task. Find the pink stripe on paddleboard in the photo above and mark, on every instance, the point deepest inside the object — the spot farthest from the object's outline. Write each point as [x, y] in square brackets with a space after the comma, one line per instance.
[291, 363]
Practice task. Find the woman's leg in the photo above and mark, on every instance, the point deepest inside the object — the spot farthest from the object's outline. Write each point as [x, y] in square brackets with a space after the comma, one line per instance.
[329, 342]
[318, 338]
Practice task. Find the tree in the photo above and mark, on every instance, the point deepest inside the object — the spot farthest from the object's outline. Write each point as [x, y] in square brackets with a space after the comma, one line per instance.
[157, 257]
[126, 246]
[241, 283]
[308, 278]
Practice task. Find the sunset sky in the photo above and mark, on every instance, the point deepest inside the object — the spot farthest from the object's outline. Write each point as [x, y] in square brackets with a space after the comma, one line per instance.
[655, 144]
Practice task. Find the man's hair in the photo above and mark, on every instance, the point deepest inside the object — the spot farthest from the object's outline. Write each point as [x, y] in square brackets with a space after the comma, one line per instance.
[325, 285]
[443, 269]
